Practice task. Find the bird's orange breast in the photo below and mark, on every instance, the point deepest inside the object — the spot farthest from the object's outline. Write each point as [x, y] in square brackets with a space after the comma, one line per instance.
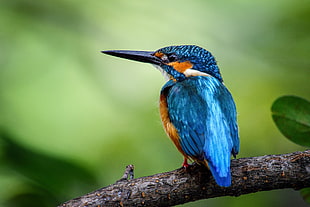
[168, 126]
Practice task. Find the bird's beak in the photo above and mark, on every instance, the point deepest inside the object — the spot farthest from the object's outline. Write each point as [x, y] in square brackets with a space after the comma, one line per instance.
[141, 56]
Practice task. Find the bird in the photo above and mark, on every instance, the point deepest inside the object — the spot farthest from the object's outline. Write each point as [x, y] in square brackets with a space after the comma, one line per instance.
[197, 111]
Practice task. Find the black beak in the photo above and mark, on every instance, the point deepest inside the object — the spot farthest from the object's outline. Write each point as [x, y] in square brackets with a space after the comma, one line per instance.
[141, 56]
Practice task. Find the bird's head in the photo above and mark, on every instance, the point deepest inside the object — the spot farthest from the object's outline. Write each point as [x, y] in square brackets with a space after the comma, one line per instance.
[176, 62]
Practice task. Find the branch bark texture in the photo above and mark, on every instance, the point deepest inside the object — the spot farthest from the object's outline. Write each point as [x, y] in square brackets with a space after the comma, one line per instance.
[249, 175]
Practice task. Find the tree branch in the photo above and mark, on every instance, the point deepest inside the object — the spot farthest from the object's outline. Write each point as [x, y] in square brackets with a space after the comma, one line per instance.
[179, 186]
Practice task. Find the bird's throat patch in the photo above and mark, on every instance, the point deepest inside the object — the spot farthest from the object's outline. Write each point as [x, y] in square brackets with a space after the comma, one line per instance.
[181, 66]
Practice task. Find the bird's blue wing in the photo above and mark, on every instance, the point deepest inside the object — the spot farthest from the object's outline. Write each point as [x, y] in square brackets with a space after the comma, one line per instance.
[229, 110]
[204, 114]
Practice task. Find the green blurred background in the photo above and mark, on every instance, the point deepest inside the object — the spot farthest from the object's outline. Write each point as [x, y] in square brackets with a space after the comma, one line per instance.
[72, 118]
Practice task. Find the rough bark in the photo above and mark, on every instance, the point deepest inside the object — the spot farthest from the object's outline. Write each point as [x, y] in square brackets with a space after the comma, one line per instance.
[249, 175]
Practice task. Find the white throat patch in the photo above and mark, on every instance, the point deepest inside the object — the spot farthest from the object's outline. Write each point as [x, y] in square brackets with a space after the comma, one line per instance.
[165, 74]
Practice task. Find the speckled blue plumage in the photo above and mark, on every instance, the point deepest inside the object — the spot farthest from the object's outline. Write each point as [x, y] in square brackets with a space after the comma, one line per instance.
[203, 111]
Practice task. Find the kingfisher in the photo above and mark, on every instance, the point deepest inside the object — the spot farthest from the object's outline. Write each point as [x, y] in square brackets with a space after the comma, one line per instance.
[197, 111]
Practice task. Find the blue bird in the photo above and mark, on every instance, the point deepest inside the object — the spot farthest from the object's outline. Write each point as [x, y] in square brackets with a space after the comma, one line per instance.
[197, 110]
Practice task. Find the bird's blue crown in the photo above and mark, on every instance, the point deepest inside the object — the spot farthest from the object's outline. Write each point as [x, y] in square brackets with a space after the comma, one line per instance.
[201, 60]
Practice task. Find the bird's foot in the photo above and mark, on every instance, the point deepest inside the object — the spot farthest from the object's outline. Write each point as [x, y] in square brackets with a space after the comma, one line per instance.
[185, 163]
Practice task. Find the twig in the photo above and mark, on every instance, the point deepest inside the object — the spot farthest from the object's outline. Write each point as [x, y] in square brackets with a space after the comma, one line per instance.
[128, 172]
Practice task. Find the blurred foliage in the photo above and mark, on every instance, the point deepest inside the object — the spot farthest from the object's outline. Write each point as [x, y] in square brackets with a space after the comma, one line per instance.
[292, 116]
[305, 193]
[50, 179]
[62, 101]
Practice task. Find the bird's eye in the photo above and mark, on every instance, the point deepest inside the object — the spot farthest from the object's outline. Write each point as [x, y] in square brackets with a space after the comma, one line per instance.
[172, 58]
[168, 58]
[165, 58]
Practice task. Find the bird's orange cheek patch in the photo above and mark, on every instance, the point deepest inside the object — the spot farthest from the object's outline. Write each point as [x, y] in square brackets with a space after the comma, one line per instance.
[181, 66]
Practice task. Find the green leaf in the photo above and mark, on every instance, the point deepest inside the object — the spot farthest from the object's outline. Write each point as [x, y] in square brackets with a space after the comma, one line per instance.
[305, 193]
[292, 116]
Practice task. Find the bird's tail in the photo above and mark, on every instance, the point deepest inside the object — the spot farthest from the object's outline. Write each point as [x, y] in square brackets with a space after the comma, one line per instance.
[221, 176]
[221, 179]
